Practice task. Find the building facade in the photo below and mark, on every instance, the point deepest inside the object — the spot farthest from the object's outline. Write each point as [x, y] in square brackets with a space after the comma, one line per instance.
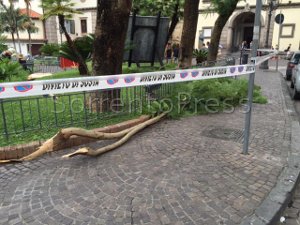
[239, 27]
[49, 31]
[38, 38]
[78, 26]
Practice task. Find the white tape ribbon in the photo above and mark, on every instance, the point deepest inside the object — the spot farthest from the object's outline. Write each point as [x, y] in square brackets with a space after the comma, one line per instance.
[59, 86]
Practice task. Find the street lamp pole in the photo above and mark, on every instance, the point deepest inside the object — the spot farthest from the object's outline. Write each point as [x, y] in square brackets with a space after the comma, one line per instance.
[265, 64]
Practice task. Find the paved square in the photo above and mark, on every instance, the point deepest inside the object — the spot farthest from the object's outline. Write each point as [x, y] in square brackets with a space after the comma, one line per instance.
[170, 173]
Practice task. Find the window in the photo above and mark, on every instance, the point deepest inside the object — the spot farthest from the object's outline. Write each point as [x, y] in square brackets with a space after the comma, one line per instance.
[287, 30]
[207, 32]
[83, 26]
[70, 26]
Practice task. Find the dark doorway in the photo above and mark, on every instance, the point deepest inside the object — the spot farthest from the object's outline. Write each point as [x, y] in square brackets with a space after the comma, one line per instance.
[35, 48]
[248, 35]
[242, 30]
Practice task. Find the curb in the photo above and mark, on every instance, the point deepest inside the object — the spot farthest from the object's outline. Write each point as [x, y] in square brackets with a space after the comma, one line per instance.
[18, 151]
[273, 206]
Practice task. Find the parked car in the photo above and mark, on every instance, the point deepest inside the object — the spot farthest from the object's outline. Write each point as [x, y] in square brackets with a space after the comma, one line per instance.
[291, 64]
[295, 82]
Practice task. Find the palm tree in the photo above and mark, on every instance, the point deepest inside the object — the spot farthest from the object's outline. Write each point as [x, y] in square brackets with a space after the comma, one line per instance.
[12, 21]
[29, 24]
[7, 19]
[64, 9]
[25, 23]
[22, 23]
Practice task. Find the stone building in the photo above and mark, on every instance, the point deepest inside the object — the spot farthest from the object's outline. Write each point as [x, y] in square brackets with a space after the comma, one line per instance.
[38, 38]
[239, 27]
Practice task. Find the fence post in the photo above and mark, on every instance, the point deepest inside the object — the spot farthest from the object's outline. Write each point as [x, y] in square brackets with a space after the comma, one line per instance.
[85, 112]
[4, 119]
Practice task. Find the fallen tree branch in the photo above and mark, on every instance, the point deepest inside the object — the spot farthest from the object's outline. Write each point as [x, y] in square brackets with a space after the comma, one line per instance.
[134, 130]
[64, 134]
[68, 132]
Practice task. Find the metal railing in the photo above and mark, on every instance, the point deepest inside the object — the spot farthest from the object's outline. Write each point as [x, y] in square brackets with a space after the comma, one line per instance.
[47, 64]
[26, 116]
[84, 109]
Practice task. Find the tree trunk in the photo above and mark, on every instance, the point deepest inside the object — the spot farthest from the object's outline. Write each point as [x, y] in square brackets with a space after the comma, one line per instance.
[82, 65]
[217, 31]
[29, 47]
[28, 30]
[215, 38]
[19, 43]
[110, 35]
[174, 21]
[13, 40]
[190, 21]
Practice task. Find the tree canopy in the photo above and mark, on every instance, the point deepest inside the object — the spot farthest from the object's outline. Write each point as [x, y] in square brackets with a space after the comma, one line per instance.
[169, 8]
[152, 7]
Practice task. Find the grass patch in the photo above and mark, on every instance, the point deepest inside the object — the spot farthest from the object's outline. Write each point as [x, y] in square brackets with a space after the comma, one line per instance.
[211, 96]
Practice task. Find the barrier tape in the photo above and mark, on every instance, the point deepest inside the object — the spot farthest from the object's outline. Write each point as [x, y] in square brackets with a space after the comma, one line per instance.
[259, 60]
[59, 86]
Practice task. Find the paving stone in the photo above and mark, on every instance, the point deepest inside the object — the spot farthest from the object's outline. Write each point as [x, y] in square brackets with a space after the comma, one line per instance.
[170, 173]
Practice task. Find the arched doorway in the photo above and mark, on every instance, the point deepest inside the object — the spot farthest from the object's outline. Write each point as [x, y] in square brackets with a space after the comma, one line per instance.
[242, 29]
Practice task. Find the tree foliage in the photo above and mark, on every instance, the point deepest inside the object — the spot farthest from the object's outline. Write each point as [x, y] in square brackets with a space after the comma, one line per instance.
[152, 7]
[9, 21]
[84, 46]
[50, 49]
[169, 8]
[8, 69]
[59, 7]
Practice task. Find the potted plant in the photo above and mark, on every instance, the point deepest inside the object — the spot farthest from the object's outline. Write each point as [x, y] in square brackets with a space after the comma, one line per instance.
[200, 54]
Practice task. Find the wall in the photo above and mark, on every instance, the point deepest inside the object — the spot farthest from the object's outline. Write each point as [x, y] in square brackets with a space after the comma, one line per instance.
[289, 21]
[290, 9]
[91, 23]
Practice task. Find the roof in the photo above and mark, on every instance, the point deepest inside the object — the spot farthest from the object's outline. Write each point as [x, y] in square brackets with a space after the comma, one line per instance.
[32, 13]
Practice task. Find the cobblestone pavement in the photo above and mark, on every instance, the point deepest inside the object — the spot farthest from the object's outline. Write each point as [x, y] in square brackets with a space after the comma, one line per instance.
[176, 172]
[292, 213]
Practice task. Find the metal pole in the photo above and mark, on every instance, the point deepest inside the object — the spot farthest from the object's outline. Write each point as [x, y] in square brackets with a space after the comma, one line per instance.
[278, 41]
[256, 30]
[4, 119]
[265, 64]
[156, 30]
[269, 23]
[133, 29]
